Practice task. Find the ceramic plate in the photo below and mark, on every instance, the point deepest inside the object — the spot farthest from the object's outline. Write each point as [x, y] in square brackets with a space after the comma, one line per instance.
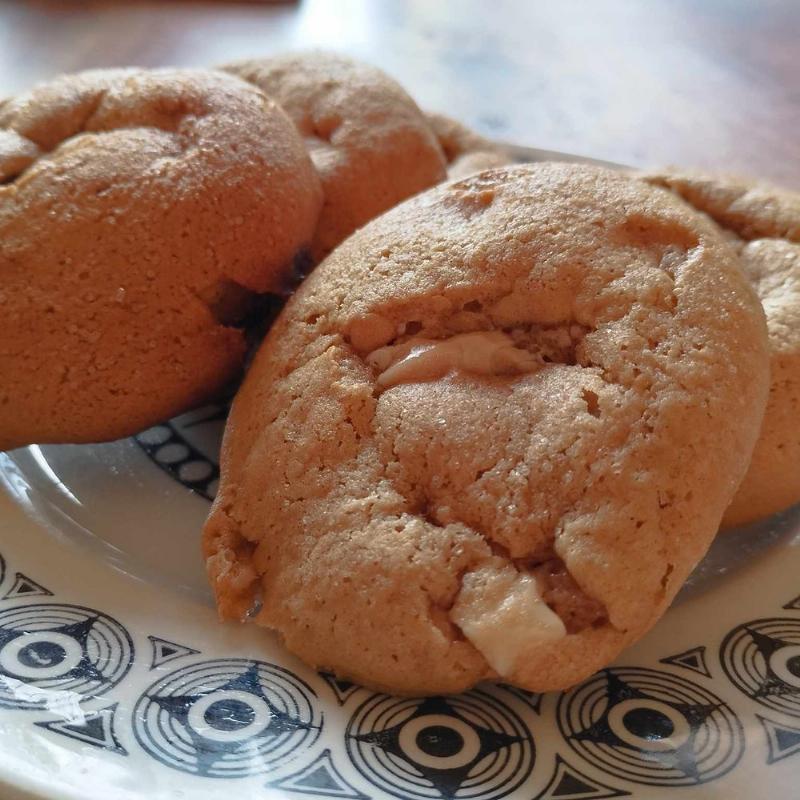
[117, 681]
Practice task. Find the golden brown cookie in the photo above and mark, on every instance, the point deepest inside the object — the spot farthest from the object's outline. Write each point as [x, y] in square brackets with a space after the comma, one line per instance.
[492, 434]
[466, 152]
[763, 224]
[139, 211]
[368, 140]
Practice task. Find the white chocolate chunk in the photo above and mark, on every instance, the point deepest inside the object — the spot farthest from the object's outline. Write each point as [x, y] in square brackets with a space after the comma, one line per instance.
[480, 353]
[503, 615]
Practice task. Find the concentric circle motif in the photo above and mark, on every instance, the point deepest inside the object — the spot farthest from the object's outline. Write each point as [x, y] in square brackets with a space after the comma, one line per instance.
[762, 659]
[651, 727]
[470, 746]
[51, 654]
[187, 448]
[227, 719]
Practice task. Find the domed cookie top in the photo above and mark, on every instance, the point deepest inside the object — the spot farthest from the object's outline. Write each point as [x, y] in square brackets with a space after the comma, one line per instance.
[763, 223]
[750, 209]
[139, 211]
[492, 434]
[368, 140]
[466, 152]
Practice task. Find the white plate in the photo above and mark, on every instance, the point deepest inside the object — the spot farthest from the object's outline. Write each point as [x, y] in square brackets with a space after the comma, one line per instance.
[117, 681]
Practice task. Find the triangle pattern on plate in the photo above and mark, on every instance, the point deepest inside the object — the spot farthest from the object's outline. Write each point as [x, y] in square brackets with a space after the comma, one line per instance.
[531, 699]
[96, 728]
[342, 689]
[783, 740]
[793, 605]
[164, 651]
[321, 778]
[693, 659]
[568, 783]
[24, 586]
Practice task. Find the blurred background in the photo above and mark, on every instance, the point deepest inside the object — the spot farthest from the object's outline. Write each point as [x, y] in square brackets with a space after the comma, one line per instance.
[703, 83]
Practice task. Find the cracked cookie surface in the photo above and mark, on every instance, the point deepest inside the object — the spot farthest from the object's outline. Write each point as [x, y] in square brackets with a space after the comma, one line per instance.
[139, 213]
[762, 222]
[579, 374]
[368, 140]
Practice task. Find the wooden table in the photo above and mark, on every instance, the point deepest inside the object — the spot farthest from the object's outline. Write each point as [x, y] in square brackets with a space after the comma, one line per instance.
[705, 83]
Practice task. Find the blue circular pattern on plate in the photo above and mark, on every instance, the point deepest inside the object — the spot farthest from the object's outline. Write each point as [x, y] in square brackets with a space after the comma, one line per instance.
[762, 659]
[52, 654]
[228, 718]
[466, 746]
[651, 727]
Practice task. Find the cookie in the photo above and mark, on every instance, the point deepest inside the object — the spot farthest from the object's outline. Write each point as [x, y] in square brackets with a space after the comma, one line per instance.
[466, 152]
[368, 140]
[492, 434]
[139, 213]
[763, 224]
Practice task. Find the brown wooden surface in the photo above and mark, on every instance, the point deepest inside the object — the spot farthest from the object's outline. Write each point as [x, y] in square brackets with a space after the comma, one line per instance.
[704, 83]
